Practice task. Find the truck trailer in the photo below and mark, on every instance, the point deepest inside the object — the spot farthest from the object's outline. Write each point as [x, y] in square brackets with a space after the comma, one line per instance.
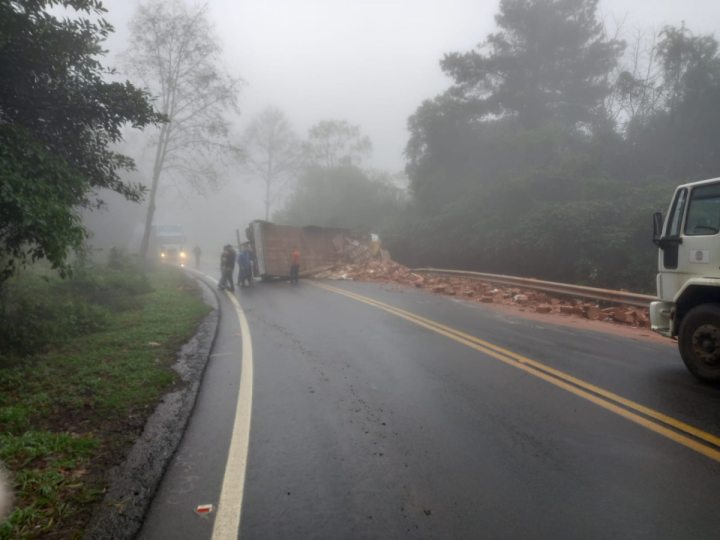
[320, 247]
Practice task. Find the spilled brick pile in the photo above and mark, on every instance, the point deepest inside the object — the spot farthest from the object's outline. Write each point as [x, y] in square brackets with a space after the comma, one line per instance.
[530, 300]
[373, 270]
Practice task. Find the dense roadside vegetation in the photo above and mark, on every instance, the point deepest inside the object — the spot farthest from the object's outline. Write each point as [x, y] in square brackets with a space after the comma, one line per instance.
[547, 155]
[555, 143]
[60, 120]
[83, 363]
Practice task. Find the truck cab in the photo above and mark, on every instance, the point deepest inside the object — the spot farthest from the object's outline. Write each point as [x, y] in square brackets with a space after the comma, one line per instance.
[688, 280]
[173, 253]
[168, 241]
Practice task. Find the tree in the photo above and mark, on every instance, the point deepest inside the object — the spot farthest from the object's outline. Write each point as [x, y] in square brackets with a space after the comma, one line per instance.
[272, 153]
[550, 61]
[176, 54]
[332, 143]
[688, 61]
[637, 91]
[680, 139]
[343, 196]
[59, 118]
[539, 83]
[509, 167]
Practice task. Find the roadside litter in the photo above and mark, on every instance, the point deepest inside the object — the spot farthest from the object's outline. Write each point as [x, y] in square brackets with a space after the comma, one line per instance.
[203, 509]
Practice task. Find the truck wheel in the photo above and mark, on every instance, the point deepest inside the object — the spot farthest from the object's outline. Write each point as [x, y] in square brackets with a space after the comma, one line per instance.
[699, 341]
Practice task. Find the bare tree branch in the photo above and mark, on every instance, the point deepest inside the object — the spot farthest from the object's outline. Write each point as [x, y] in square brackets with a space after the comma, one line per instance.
[273, 153]
[336, 142]
[176, 54]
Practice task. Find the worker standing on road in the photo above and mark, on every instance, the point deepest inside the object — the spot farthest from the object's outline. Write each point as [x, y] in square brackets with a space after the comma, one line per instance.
[197, 251]
[253, 262]
[295, 266]
[244, 268]
[227, 265]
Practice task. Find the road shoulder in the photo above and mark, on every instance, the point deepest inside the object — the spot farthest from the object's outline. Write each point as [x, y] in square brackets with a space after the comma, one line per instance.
[136, 480]
[605, 327]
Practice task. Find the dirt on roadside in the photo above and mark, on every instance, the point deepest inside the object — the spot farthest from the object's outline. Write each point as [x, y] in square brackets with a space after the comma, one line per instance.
[529, 303]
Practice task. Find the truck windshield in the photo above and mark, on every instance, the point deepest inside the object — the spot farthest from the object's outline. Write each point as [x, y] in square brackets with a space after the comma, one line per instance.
[704, 211]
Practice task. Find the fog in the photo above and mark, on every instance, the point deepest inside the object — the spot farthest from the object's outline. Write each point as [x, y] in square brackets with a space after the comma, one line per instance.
[371, 63]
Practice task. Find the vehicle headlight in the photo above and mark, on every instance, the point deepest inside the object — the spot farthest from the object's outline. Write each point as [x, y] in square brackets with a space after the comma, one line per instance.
[182, 254]
[162, 255]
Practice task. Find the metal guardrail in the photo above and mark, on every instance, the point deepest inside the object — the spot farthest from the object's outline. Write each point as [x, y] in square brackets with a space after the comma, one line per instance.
[605, 295]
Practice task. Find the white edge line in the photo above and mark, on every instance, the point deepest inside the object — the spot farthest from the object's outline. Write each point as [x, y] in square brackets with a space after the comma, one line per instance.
[227, 522]
[229, 507]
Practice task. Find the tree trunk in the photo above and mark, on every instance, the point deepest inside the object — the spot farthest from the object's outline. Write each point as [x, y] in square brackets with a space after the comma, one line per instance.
[267, 200]
[149, 219]
[157, 169]
[268, 181]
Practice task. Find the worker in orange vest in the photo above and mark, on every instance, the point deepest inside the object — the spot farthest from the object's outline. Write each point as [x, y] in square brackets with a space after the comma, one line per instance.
[294, 266]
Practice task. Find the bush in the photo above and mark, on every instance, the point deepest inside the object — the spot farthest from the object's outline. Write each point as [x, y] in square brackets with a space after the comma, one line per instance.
[113, 289]
[119, 259]
[37, 311]
[33, 316]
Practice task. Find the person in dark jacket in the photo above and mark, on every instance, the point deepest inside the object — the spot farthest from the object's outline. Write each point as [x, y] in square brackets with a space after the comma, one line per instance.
[244, 268]
[227, 266]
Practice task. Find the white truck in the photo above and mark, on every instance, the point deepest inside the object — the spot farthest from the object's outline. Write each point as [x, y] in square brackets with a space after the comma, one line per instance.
[168, 241]
[688, 280]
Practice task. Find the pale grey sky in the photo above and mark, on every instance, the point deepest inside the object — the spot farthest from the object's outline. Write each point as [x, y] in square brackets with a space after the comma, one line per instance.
[371, 62]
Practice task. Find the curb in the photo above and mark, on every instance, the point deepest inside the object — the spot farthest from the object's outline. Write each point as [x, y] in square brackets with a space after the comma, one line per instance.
[134, 482]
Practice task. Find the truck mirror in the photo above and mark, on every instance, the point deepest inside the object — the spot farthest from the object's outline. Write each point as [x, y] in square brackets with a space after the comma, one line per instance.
[657, 227]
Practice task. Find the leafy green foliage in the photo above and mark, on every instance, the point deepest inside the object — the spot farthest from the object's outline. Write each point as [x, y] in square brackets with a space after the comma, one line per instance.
[68, 414]
[58, 120]
[37, 196]
[549, 61]
[37, 311]
[47, 492]
[519, 169]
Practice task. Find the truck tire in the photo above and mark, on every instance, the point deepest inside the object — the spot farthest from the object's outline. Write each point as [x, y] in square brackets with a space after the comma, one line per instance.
[699, 341]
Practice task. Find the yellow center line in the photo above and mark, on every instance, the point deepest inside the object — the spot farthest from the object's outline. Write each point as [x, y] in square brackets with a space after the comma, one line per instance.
[590, 392]
[677, 424]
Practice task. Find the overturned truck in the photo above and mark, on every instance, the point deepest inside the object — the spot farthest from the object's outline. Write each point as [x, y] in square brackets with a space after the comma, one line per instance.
[320, 247]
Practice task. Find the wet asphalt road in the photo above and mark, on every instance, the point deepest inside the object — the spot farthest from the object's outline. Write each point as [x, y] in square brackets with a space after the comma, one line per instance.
[365, 425]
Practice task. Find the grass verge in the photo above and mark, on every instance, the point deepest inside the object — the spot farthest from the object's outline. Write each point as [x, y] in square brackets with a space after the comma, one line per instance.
[70, 413]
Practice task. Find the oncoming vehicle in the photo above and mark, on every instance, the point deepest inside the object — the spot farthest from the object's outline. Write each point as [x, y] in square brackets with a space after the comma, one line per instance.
[174, 254]
[688, 280]
[170, 244]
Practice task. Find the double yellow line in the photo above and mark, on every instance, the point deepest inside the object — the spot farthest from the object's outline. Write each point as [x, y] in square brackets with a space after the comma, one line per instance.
[696, 439]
